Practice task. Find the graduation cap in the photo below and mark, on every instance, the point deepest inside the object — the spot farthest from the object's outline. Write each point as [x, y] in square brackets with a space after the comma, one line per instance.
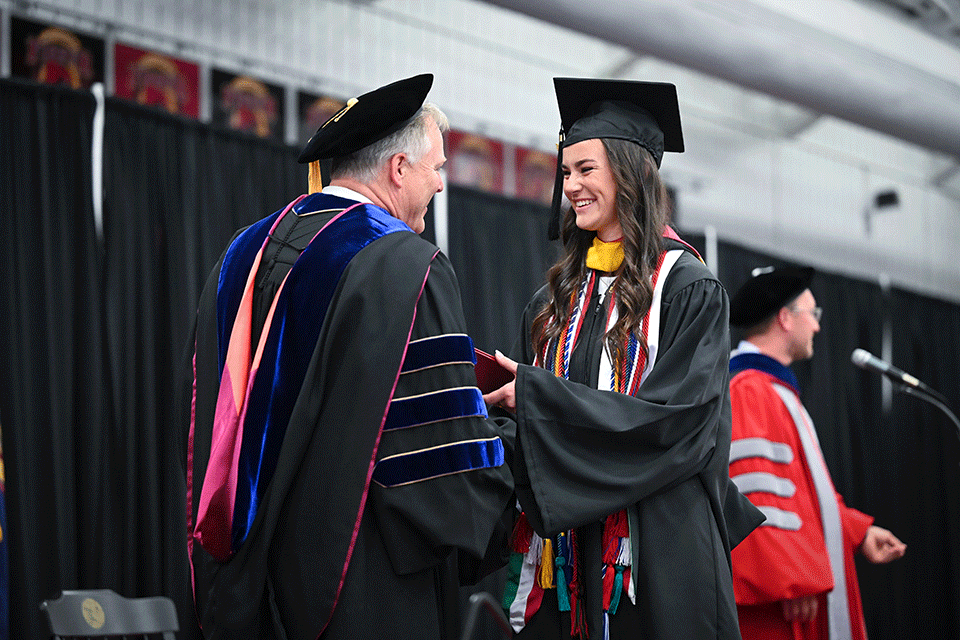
[647, 113]
[643, 112]
[766, 293]
[367, 119]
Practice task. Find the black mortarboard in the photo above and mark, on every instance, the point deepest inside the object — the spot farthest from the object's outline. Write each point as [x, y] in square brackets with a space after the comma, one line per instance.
[647, 113]
[643, 112]
[766, 293]
[368, 118]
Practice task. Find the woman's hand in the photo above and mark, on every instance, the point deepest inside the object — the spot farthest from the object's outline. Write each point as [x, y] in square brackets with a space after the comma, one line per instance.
[505, 397]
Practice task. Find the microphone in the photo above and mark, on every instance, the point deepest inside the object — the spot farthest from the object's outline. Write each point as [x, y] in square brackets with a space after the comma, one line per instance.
[866, 360]
[911, 386]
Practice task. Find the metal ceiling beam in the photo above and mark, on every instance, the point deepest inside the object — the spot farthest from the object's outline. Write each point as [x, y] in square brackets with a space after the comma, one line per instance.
[757, 48]
[622, 66]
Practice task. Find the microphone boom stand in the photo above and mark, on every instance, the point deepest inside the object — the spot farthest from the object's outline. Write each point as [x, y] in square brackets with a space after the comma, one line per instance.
[933, 398]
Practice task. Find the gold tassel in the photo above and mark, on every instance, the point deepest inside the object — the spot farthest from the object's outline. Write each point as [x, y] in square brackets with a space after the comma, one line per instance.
[546, 565]
[315, 183]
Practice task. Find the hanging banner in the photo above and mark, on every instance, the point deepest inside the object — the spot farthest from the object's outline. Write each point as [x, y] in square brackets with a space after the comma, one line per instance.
[313, 110]
[54, 55]
[475, 161]
[158, 80]
[245, 103]
[536, 172]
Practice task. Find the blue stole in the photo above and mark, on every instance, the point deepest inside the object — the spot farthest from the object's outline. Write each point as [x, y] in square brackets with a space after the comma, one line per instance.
[301, 307]
[761, 362]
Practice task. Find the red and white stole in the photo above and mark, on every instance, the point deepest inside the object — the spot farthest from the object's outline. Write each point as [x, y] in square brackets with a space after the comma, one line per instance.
[541, 563]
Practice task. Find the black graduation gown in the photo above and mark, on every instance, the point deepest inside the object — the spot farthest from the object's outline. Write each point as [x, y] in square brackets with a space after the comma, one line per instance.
[416, 541]
[582, 454]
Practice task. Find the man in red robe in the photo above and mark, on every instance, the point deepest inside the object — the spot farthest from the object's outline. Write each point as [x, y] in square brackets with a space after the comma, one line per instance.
[794, 577]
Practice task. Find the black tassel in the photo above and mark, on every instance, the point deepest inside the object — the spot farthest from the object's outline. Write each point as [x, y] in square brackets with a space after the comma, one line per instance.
[553, 232]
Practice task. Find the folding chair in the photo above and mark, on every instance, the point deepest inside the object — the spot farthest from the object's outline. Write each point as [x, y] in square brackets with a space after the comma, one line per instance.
[97, 613]
[484, 601]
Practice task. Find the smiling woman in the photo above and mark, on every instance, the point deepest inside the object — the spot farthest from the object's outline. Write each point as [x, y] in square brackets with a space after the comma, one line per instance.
[589, 185]
[621, 399]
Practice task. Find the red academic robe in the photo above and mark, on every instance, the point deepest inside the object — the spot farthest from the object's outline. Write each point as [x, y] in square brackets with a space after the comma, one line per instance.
[786, 557]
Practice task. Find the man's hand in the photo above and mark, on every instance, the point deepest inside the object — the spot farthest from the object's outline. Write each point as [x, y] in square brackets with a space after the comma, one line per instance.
[803, 609]
[505, 397]
[880, 546]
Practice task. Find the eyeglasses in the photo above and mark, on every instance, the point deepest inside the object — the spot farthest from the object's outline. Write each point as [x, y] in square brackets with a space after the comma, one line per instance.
[816, 312]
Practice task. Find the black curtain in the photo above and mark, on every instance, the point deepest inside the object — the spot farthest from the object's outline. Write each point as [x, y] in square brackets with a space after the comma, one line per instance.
[844, 401]
[94, 331]
[175, 190]
[54, 406]
[500, 251]
[922, 466]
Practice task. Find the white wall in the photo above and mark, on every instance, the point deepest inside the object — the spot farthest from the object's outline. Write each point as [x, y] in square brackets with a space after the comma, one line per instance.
[764, 173]
[816, 205]
[812, 209]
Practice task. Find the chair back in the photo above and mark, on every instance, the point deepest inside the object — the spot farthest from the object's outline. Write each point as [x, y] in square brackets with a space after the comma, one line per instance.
[480, 602]
[96, 613]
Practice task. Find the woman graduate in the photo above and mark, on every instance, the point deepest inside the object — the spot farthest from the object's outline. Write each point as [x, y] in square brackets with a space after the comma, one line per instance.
[623, 414]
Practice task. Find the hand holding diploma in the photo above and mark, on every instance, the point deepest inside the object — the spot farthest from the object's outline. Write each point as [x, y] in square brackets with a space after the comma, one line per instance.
[503, 396]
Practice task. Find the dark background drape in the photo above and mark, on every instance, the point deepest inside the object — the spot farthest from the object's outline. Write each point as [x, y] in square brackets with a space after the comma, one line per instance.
[94, 331]
[175, 190]
[55, 404]
[499, 249]
[920, 475]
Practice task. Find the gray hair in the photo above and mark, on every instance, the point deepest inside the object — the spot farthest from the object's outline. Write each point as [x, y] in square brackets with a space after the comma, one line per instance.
[412, 139]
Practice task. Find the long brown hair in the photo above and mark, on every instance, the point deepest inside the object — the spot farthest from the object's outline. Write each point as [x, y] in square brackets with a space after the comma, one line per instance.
[642, 210]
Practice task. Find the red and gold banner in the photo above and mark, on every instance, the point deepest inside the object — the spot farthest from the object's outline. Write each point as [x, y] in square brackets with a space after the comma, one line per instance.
[245, 103]
[313, 110]
[475, 161]
[53, 55]
[155, 79]
[536, 173]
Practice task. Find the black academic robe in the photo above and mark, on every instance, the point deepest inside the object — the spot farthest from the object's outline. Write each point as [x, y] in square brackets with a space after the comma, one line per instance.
[582, 454]
[343, 543]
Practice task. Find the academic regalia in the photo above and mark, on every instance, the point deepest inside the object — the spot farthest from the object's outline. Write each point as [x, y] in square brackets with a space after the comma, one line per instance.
[806, 546]
[357, 503]
[660, 455]
[621, 467]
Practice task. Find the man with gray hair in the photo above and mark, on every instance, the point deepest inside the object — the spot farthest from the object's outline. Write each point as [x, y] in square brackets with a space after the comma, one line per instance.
[343, 476]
